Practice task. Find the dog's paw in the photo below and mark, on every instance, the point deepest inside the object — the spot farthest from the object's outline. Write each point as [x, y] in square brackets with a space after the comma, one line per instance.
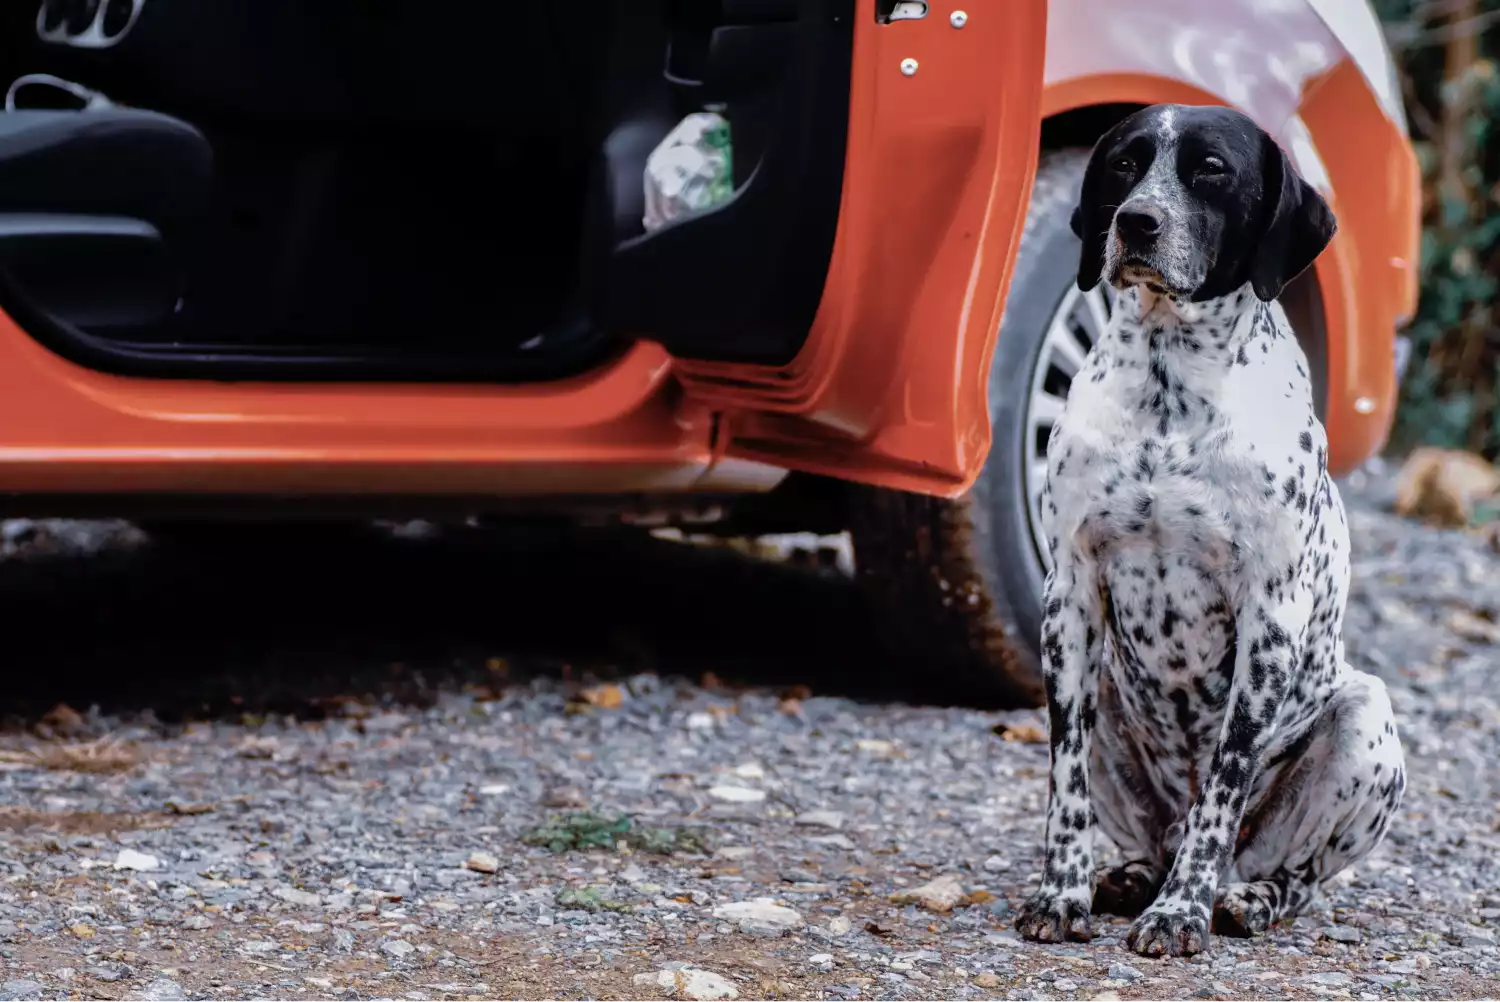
[1168, 932]
[1243, 910]
[1125, 890]
[1051, 918]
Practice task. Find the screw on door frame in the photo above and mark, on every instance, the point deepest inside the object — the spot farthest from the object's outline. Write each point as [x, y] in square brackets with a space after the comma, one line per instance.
[958, 18]
[909, 67]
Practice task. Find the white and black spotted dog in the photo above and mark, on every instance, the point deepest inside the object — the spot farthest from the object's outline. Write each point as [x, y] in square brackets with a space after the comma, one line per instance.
[1201, 710]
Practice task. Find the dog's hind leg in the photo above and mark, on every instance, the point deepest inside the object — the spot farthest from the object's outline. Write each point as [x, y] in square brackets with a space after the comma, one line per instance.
[1325, 803]
[1130, 811]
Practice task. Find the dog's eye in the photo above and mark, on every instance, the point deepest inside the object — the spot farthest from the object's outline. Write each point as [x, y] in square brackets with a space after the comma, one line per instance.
[1124, 165]
[1211, 167]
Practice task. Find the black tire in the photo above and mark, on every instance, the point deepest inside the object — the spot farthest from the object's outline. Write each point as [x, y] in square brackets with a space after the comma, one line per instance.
[959, 583]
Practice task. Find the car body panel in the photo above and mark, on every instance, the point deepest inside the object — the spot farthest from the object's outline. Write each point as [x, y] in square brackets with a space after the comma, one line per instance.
[70, 429]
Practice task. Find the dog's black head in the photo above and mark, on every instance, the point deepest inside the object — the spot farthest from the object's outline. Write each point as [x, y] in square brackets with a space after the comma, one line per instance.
[1195, 202]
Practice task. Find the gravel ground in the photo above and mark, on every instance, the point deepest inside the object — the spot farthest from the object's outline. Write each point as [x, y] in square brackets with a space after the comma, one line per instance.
[308, 819]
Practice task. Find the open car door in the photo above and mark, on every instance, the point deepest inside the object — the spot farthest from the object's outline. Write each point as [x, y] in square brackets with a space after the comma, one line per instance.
[835, 314]
[889, 387]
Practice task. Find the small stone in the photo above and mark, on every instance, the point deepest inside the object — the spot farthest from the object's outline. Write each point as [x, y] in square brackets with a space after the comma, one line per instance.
[994, 864]
[1343, 934]
[494, 790]
[689, 982]
[734, 852]
[1330, 978]
[108, 972]
[878, 747]
[159, 990]
[761, 917]
[482, 862]
[1064, 985]
[323, 983]
[821, 819]
[129, 859]
[296, 896]
[737, 794]
[1123, 972]
[564, 796]
[258, 946]
[21, 988]
[796, 875]
[839, 925]
[986, 980]
[397, 948]
[198, 922]
[834, 841]
[940, 895]
[700, 721]
[821, 961]
[1106, 996]
[750, 770]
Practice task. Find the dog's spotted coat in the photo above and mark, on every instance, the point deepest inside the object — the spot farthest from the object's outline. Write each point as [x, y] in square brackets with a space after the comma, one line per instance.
[1201, 710]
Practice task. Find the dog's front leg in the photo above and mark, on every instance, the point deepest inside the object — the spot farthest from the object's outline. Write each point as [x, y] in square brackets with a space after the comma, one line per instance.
[1270, 632]
[1072, 641]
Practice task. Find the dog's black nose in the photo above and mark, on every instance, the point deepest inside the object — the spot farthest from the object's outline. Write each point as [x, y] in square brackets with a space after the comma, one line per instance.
[1138, 221]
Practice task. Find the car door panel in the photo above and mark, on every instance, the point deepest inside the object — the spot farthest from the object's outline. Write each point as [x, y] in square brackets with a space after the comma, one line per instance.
[890, 387]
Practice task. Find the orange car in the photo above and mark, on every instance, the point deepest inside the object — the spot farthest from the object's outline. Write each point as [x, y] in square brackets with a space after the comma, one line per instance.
[360, 257]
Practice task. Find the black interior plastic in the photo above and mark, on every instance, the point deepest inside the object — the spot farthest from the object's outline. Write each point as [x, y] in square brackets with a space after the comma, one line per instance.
[428, 190]
[97, 272]
[90, 206]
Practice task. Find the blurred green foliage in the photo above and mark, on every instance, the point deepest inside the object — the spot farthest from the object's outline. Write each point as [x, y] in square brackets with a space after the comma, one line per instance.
[1446, 53]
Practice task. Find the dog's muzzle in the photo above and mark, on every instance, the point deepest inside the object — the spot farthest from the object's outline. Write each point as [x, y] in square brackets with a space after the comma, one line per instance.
[1142, 250]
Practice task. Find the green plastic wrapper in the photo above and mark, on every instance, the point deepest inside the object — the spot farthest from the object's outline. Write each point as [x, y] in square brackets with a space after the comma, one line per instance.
[691, 170]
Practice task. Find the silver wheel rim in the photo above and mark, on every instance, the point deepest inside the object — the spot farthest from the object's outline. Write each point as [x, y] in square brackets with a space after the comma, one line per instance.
[1075, 327]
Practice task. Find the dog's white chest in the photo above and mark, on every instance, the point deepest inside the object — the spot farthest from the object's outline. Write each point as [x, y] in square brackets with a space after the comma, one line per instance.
[1119, 484]
[1168, 444]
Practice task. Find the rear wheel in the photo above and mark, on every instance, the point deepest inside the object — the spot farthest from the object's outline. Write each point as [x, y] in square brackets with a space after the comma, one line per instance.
[960, 582]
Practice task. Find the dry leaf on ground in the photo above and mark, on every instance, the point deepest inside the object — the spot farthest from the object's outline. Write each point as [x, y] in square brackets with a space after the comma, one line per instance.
[1474, 627]
[18, 819]
[1028, 734]
[63, 720]
[186, 808]
[100, 756]
[1441, 486]
[605, 697]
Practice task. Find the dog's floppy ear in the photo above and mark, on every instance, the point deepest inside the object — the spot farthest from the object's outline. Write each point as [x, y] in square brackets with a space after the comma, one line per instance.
[1086, 221]
[1091, 219]
[1296, 225]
